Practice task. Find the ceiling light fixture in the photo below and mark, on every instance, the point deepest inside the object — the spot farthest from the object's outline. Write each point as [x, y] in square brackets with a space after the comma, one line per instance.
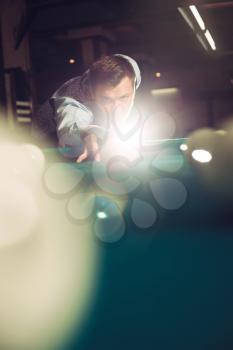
[186, 18]
[202, 42]
[202, 25]
[210, 40]
[198, 17]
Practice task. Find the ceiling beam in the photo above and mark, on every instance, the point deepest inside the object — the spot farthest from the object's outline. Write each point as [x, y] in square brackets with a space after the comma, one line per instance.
[217, 5]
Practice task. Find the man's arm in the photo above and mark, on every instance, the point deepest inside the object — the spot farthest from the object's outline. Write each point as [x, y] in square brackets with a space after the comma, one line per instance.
[74, 129]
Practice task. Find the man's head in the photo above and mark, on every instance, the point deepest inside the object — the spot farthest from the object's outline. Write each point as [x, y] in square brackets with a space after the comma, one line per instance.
[113, 81]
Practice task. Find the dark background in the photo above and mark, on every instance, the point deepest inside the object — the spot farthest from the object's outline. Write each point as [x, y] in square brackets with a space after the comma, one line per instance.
[152, 32]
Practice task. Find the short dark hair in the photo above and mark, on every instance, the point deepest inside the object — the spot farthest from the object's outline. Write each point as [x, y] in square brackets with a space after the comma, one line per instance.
[110, 70]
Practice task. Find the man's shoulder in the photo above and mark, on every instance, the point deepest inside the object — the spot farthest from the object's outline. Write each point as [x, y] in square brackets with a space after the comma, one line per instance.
[69, 88]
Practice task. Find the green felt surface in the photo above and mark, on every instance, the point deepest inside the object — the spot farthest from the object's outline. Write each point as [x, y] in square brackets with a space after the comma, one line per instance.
[169, 286]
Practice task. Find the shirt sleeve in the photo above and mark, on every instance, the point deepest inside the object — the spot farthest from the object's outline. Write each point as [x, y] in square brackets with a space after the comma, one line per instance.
[72, 120]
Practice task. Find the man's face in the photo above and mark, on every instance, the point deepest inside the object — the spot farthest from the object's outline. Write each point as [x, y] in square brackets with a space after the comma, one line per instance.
[115, 101]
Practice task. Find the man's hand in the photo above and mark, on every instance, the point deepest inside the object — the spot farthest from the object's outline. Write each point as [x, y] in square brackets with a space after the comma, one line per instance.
[91, 149]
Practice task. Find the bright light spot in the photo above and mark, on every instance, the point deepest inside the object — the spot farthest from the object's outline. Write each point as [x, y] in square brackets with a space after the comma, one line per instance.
[202, 156]
[72, 61]
[210, 40]
[117, 148]
[158, 75]
[183, 147]
[122, 141]
[197, 16]
[101, 215]
[164, 92]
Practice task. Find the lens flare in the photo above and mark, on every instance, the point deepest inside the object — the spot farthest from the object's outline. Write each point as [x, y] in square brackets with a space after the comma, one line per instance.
[183, 147]
[202, 156]
[109, 225]
[19, 212]
[48, 264]
[101, 215]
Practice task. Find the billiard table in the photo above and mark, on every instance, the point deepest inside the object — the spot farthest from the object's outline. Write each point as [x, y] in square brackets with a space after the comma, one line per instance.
[166, 280]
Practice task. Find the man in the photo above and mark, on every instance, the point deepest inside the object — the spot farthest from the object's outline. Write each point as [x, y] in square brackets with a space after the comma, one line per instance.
[82, 111]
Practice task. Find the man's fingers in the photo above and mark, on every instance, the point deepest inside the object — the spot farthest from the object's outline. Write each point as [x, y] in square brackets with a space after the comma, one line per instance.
[91, 150]
[82, 156]
[85, 155]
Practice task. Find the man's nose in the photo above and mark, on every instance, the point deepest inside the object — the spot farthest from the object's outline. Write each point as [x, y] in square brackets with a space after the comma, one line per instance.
[113, 106]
